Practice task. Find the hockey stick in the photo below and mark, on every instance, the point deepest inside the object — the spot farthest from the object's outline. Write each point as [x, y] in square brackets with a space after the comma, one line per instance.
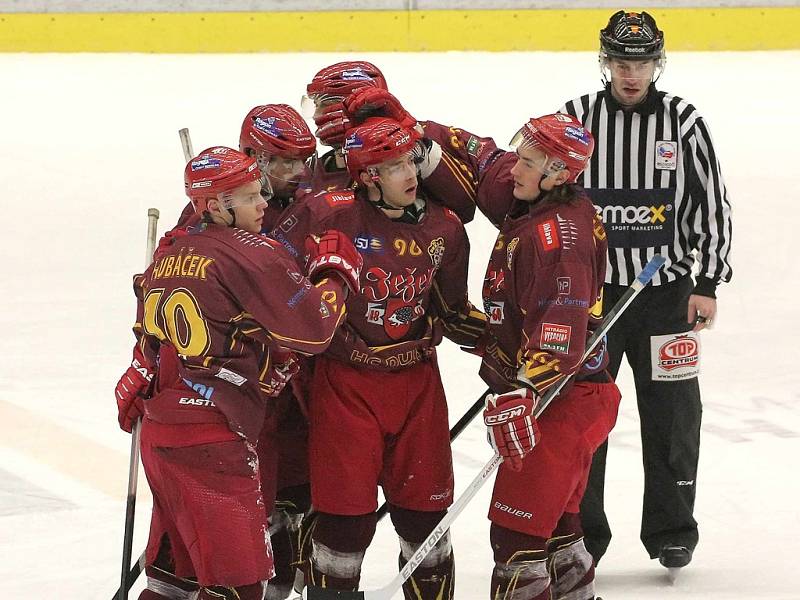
[455, 431]
[133, 468]
[394, 586]
[134, 572]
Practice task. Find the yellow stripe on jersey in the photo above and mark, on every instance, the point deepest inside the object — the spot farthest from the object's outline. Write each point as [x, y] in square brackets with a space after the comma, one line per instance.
[456, 166]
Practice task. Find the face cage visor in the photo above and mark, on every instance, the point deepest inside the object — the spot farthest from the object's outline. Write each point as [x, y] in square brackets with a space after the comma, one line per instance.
[240, 197]
[290, 170]
[311, 105]
[630, 68]
[546, 165]
[395, 169]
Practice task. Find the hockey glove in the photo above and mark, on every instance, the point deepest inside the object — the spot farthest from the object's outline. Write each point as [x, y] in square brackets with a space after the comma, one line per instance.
[169, 238]
[333, 254]
[513, 431]
[284, 366]
[332, 123]
[376, 102]
[133, 387]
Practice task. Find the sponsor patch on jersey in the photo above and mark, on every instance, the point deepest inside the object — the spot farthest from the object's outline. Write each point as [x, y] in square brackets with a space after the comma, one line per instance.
[635, 218]
[366, 243]
[339, 198]
[231, 376]
[288, 223]
[495, 310]
[375, 312]
[675, 357]
[564, 285]
[555, 337]
[666, 155]
[548, 235]
[473, 146]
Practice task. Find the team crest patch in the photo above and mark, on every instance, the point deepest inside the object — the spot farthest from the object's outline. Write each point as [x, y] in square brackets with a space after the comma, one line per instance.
[436, 251]
[555, 337]
[675, 357]
[666, 155]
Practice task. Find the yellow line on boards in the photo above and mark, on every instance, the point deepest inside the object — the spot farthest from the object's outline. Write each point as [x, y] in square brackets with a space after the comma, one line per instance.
[714, 29]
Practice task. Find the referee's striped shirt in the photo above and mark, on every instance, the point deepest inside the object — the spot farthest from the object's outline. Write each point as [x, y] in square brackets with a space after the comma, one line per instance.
[657, 183]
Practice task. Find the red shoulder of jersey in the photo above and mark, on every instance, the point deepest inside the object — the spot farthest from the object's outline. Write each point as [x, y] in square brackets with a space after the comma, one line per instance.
[452, 215]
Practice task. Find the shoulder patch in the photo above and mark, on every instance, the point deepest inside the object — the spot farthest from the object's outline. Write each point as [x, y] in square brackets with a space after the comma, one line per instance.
[339, 198]
[453, 216]
[548, 235]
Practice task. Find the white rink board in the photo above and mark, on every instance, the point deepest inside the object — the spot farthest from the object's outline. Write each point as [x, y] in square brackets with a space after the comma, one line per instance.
[89, 142]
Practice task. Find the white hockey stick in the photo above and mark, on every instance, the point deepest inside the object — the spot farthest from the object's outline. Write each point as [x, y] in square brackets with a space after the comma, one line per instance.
[396, 584]
[186, 144]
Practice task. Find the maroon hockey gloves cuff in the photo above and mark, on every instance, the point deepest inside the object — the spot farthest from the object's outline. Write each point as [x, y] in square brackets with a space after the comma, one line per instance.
[375, 102]
[333, 253]
[132, 389]
[513, 431]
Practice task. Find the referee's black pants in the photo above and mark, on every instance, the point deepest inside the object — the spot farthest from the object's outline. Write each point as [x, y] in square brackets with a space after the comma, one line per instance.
[670, 414]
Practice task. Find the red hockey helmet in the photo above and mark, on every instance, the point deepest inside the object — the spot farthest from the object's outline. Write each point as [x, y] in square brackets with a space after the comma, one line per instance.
[342, 79]
[277, 129]
[217, 171]
[567, 144]
[374, 141]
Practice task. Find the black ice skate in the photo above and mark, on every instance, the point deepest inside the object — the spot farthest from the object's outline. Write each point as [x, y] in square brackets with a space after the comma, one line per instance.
[674, 558]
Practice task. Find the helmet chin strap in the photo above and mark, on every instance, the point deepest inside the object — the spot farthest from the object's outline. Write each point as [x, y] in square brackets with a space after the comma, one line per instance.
[411, 213]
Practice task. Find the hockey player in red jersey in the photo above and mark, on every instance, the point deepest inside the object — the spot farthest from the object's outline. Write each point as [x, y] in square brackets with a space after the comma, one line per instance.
[218, 308]
[543, 296]
[284, 147]
[378, 414]
[324, 100]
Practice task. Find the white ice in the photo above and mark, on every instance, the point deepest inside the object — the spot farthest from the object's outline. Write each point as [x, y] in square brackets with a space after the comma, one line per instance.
[89, 142]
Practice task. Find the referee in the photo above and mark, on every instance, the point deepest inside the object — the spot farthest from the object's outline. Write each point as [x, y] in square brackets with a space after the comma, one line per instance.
[656, 181]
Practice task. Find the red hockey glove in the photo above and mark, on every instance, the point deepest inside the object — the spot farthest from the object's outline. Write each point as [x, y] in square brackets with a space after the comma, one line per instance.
[513, 431]
[332, 123]
[132, 389]
[168, 239]
[375, 102]
[333, 253]
[284, 366]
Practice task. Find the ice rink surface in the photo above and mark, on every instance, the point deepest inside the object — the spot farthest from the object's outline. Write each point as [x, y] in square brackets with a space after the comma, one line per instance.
[89, 142]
